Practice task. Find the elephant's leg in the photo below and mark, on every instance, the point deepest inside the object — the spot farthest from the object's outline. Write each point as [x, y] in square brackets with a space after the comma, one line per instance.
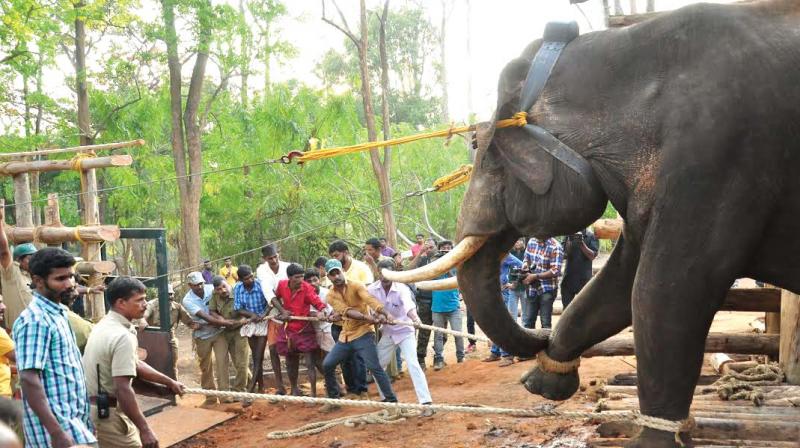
[602, 309]
[686, 267]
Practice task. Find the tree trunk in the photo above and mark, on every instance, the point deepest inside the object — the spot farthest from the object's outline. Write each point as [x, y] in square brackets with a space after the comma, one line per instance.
[379, 169]
[390, 228]
[190, 205]
[84, 119]
[443, 63]
[651, 5]
[178, 140]
[606, 12]
[244, 64]
[267, 58]
[469, 63]
[633, 6]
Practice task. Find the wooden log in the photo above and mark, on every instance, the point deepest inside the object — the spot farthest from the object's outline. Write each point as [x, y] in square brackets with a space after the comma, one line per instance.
[753, 299]
[23, 208]
[719, 407]
[719, 360]
[719, 428]
[755, 344]
[56, 235]
[790, 336]
[95, 267]
[717, 443]
[607, 229]
[85, 148]
[700, 390]
[91, 251]
[630, 379]
[89, 163]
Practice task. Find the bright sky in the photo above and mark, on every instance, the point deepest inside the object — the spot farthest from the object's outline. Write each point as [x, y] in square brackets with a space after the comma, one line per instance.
[498, 31]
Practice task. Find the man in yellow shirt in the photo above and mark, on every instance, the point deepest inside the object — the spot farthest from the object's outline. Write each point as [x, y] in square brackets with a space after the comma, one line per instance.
[353, 269]
[228, 272]
[7, 356]
[356, 306]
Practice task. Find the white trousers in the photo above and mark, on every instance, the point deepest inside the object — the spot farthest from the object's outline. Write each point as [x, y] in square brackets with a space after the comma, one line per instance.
[408, 351]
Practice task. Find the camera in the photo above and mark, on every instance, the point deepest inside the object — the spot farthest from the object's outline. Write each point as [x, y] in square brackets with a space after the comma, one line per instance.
[516, 274]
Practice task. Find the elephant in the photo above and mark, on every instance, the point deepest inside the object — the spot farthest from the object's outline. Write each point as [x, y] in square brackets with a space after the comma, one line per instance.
[690, 122]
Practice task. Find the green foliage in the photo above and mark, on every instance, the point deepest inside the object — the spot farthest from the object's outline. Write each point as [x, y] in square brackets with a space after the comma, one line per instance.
[302, 207]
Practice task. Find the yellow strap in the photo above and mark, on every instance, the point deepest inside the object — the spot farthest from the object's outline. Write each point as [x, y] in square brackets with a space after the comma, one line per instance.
[453, 179]
[77, 165]
[518, 120]
[77, 234]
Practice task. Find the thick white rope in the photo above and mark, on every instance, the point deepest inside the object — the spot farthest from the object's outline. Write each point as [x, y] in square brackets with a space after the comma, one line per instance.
[398, 409]
[411, 324]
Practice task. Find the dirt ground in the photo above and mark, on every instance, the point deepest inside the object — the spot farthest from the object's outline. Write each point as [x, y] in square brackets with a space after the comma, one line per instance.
[472, 382]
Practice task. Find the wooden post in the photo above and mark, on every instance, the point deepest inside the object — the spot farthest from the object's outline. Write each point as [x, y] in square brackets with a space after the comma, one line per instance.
[17, 167]
[91, 251]
[52, 211]
[22, 200]
[748, 344]
[790, 336]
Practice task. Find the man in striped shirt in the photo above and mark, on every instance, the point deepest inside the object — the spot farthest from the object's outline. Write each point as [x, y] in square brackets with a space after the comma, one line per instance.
[51, 372]
[544, 259]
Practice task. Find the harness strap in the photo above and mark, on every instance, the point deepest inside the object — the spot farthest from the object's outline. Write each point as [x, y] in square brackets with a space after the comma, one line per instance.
[556, 37]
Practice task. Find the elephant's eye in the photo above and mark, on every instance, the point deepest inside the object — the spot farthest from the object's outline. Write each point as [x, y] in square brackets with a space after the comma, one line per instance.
[489, 158]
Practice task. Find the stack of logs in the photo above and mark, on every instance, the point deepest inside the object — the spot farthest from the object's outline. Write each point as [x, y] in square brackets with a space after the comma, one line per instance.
[718, 423]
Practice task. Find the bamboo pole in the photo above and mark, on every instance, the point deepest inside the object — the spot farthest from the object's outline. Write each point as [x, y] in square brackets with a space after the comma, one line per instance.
[91, 250]
[58, 235]
[87, 163]
[86, 148]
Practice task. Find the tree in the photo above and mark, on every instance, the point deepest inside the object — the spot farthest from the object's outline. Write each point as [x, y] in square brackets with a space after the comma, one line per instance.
[446, 11]
[651, 5]
[186, 145]
[379, 168]
[266, 15]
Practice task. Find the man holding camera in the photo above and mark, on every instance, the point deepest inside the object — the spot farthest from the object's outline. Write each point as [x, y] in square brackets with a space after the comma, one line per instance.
[510, 277]
[543, 259]
[579, 250]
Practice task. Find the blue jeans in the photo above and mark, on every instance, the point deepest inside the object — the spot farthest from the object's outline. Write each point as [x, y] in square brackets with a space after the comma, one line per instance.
[365, 348]
[441, 320]
[511, 300]
[541, 305]
[353, 369]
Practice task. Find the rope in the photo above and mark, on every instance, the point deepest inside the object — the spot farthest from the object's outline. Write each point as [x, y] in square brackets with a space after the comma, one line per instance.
[408, 324]
[518, 120]
[550, 365]
[742, 385]
[77, 233]
[385, 417]
[611, 416]
[453, 179]
[77, 165]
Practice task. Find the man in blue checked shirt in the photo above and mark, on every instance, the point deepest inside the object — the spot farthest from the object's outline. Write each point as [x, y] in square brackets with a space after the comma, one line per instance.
[49, 362]
[544, 259]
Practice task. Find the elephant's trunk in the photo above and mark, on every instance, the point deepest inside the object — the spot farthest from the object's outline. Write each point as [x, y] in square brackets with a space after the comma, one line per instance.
[479, 281]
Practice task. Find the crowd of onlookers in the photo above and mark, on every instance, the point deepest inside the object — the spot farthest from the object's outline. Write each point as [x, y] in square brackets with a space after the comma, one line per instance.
[341, 318]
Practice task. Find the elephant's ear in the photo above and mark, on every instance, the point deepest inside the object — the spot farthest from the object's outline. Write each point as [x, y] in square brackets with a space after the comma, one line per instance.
[521, 154]
[524, 159]
[510, 86]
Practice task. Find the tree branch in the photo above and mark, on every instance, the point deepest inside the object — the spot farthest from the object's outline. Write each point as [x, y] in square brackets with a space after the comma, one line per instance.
[345, 30]
[223, 83]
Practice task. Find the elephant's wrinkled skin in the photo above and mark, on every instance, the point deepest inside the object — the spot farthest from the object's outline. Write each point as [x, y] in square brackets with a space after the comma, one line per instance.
[691, 122]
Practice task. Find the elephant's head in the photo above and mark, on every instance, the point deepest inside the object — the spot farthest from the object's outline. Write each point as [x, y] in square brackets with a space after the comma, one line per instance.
[517, 188]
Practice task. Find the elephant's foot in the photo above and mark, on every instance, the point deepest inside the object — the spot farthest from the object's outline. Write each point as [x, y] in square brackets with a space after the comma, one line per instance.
[653, 438]
[553, 386]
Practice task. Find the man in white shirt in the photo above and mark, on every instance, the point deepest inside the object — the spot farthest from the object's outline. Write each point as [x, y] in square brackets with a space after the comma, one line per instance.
[269, 273]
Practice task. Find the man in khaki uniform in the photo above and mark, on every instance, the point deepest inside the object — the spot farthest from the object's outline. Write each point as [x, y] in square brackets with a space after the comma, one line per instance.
[221, 305]
[110, 364]
[14, 276]
[152, 317]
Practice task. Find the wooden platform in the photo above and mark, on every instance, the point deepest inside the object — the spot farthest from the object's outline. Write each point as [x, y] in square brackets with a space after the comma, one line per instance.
[178, 423]
[152, 405]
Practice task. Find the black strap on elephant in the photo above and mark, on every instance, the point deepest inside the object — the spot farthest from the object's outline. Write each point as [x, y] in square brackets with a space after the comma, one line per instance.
[557, 35]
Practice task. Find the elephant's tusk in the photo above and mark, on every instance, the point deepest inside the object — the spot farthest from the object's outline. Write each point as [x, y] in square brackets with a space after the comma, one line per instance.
[438, 285]
[463, 251]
